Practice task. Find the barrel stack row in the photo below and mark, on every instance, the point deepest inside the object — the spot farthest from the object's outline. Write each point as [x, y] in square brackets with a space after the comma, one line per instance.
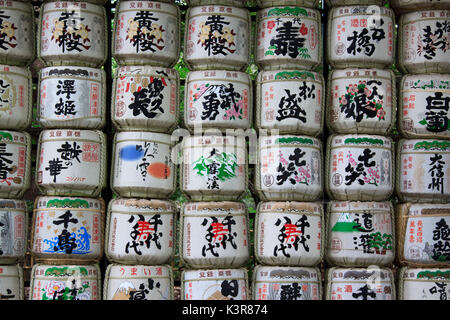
[423, 152]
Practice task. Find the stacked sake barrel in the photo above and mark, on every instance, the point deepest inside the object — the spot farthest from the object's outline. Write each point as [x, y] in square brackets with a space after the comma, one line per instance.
[290, 92]
[67, 230]
[140, 226]
[423, 153]
[359, 174]
[214, 231]
[17, 52]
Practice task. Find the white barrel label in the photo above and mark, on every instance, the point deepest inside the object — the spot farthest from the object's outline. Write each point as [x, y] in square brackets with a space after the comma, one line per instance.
[424, 169]
[13, 226]
[140, 231]
[361, 34]
[361, 284]
[71, 93]
[13, 154]
[425, 284]
[11, 283]
[68, 228]
[291, 101]
[138, 283]
[146, 95]
[68, 282]
[425, 101]
[223, 284]
[289, 35]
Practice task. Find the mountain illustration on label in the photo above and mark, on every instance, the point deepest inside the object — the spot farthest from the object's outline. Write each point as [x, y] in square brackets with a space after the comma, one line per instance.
[124, 291]
[345, 224]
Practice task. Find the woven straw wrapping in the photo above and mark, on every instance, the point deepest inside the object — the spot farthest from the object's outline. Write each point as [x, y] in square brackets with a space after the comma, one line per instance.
[150, 190]
[414, 59]
[12, 272]
[296, 3]
[89, 122]
[421, 170]
[43, 280]
[226, 62]
[153, 276]
[356, 258]
[22, 54]
[405, 213]
[338, 3]
[8, 206]
[145, 208]
[366, 279]
[10, 190]
[231, 3]
[382, 57]
[364, 126]
[63, 189]
[413, 114]
[359, 194]
[280, 62]
[160, 59]
[216, 297]
[65, 258]
[206, 210]
[84, 59]
[310, 127]
[296, 193]
[298, 258]
[287, 276]
[163, 122]
[21, 116]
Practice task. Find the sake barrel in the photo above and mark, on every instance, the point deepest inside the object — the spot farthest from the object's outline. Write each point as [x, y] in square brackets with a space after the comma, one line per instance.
[414, 5]
[214, 284]
[214, 234]
[15, 97]
[422, 234]
[424, 284]
[68, 230]
[65, 282]
[11, 282]
[218, 99]
[423, 42]
[138, 282]
[360, 233]
[371, 283]
[142, 165]
[337, 3]
[217, 37]
[146, 32]
[289, 168]
[288, 38]
[296, 3]
[72, 33]
[361, 101]
[424, 103]
[214, 168]
[13, 230]
[71, 162]
[140, 231]
[15, 163]
[145, 98]
[291, 101]
[286, 283]
[423, 168]
[361, 36]
[289, 233]
[359, 167]
[17, 44]
[72, 97]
